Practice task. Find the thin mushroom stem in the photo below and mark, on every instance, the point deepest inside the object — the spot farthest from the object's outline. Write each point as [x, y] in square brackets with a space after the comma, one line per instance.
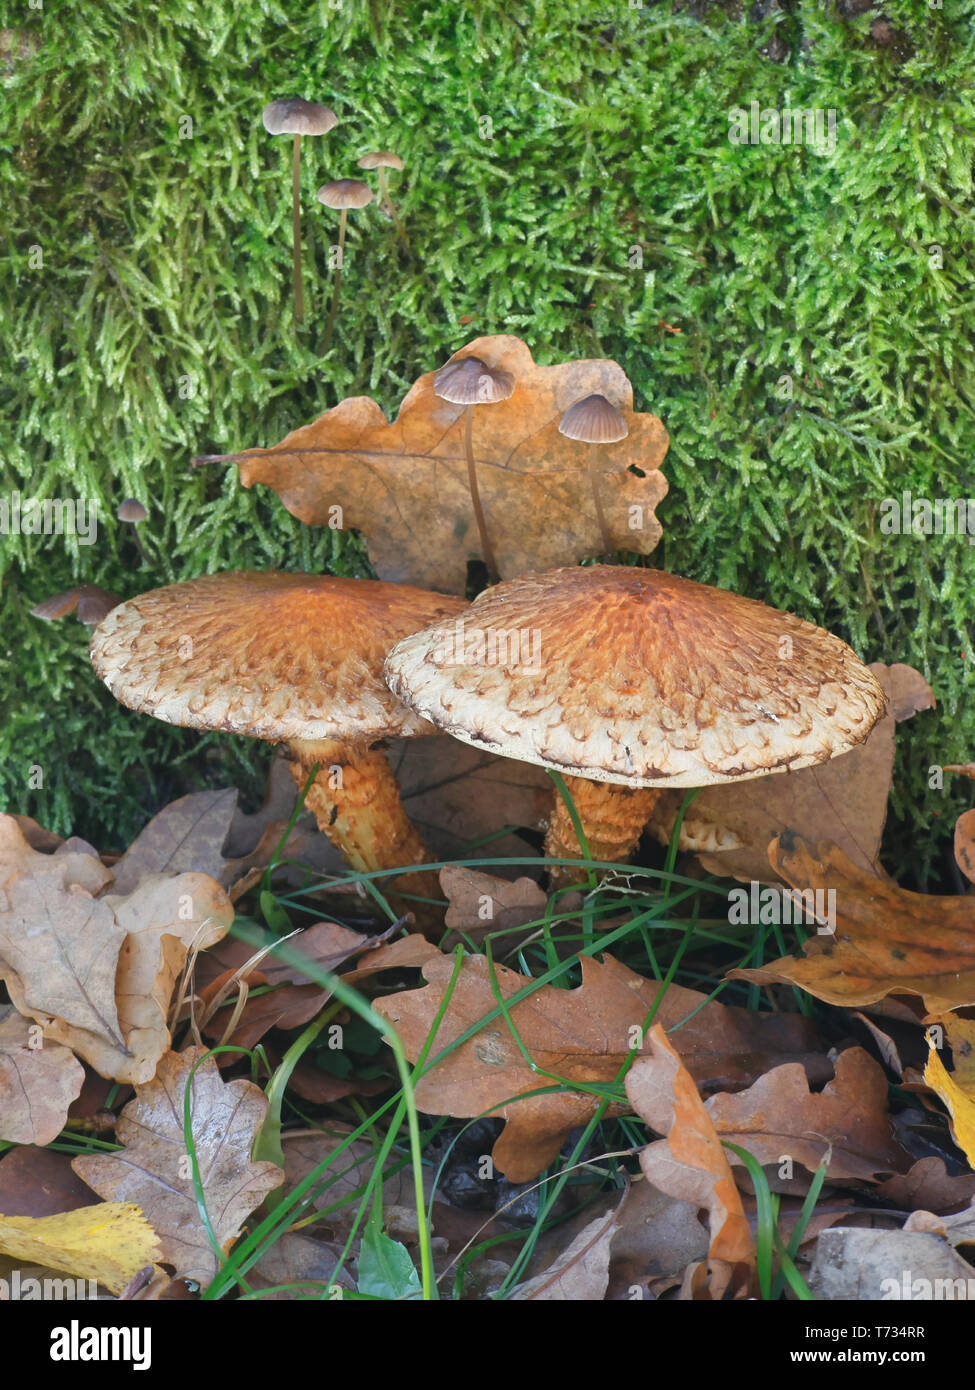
[612, 817]
[343, 218]
[600, 514]
[487, 550]
[356, 801]
[296, 229]
[387, 202]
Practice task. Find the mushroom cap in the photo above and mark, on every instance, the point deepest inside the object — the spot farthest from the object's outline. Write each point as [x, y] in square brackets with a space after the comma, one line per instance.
[345, 193]
[469, 381]
[275, 656]
[131, 510]
[594, 420]
[637, 677]
[382, 159]
[296, 116]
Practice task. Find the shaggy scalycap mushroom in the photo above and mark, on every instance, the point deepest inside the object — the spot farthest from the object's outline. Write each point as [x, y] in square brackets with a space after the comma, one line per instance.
[288, 658]
[638, 679]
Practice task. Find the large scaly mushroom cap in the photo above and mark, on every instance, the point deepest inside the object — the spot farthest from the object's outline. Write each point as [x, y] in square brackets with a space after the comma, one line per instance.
[638, 677]
[274, 656]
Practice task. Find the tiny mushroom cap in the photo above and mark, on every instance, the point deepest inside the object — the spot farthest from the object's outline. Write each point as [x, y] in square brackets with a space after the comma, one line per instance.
[383, 159]
[469, 381]
[594, 420]
[345, 193]
[273, 656]
[132, 510]
[296, 116]
[639, 678]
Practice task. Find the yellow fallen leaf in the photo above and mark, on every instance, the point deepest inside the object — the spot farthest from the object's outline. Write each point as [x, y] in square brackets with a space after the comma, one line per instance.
[959, 1100]
[109, 1242]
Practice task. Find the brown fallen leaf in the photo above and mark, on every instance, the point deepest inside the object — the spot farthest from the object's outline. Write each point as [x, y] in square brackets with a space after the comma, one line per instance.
[965, 844]
[404, 484]
[480, 903]
[297, 1266]
[185, 836]
[153, 1171]
[292, 1000]
[39, 1182]
[887, 940]
[582, 1034]
[342, 1176]
[580, 1273]
[157, 924]
[730, 827]
[37, 1083]
[779, 1117]
[456, 794]
[927, 1186]
[690, 1164]
[18, 856]
[658, 1237]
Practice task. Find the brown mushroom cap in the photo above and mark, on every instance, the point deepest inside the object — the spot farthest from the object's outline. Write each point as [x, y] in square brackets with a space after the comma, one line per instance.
[296, 116]
[594, 420]
[345, 193]
[383, 159]
[469, 381]
[131, 510]
[274, 656]
[643, 679]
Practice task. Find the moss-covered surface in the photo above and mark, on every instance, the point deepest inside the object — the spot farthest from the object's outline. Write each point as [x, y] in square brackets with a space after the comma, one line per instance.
[607, 214]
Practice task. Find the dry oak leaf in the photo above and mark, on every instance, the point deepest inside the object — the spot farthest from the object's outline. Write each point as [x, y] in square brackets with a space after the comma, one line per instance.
[37, 1083]
[404, 484]
[927, 1186]
[690, 1165]
[138, 946]
[455, 794]
[580, 1273]
[224, 1120]
[965, 844]
[581, 1034]
[779, 1115]
[292, 1000]
[109, 1242]
[887, 941]
[844, 800]
[73, 869]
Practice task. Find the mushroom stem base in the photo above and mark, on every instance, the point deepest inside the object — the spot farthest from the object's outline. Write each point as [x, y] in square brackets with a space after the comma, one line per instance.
[356, 801]
[612, 817]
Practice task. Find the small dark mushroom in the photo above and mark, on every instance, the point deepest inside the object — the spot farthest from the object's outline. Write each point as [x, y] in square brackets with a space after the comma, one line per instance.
[381, 161]
[469, 382]
[297, 117]
[594, 421]
[342, 195]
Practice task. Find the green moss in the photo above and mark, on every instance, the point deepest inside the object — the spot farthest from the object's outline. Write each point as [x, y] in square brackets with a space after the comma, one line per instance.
[160, 324]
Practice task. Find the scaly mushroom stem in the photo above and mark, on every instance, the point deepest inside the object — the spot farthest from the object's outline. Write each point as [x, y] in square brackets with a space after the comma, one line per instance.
[343, 218]
[296, 229]
[356, 801]
[487, 550]
[613, 818]
[387, 202]
[600, 514]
